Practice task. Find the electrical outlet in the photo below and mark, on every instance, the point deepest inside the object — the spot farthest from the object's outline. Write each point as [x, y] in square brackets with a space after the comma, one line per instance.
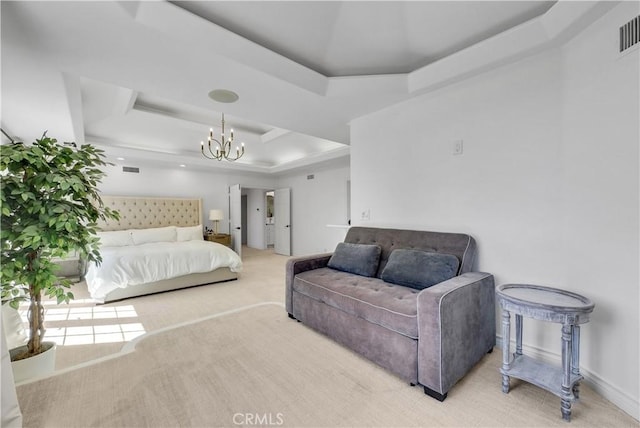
[457, 147]
[366, 215]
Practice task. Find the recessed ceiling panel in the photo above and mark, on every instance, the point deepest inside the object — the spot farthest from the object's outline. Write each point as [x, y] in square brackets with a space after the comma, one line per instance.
[346, 38]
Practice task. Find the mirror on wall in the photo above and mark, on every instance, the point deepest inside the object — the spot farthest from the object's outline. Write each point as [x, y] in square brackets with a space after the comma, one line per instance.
[270, 196]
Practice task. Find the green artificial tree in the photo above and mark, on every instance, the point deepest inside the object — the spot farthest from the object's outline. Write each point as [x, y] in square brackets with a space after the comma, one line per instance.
[50, 208]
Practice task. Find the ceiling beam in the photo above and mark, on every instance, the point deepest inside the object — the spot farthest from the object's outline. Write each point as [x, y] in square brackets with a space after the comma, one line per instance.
[555, 27]
[273, 134]
[213, 39]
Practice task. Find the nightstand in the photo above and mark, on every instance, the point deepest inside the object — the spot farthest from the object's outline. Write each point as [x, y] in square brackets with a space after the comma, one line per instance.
[219, 238]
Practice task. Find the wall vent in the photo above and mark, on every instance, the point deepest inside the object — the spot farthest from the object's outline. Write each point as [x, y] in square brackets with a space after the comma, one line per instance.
[133, 169]
[630, 34]
[310, 177]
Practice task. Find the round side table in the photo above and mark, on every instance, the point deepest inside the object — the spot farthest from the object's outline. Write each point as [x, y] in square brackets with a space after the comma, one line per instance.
[546, 304]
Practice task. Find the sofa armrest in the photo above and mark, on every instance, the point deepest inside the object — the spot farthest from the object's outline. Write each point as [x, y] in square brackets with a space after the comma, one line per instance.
[297, 265]
[456, 328]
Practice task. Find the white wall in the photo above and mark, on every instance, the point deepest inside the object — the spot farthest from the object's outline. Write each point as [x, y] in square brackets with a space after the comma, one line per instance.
[315, 204]
[547, 183]
[212, 186]
[600, 156]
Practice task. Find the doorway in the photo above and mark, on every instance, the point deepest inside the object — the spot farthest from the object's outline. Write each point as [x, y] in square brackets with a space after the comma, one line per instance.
[262, 218]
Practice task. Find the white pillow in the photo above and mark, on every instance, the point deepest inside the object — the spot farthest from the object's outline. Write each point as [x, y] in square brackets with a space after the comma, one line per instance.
[115, 238]
[156, 234]
[191, 233]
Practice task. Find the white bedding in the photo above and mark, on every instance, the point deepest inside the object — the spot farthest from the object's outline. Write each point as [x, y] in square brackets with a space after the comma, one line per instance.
[140, 264]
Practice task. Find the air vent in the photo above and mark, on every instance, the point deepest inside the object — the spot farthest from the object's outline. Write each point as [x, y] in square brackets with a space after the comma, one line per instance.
[310, 177]
[133, 169]
[630, 34]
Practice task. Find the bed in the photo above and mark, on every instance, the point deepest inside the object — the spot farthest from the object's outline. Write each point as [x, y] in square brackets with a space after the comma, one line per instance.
[157, 245]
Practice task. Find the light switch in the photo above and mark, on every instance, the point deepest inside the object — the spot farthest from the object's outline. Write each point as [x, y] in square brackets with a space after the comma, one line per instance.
[457, 147]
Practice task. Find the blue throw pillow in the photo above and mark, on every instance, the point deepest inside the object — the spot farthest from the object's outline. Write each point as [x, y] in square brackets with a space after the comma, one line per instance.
[361, 259]
[419, 269]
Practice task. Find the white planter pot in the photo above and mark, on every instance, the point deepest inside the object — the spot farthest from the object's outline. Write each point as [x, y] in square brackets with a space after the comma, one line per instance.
[30, 368]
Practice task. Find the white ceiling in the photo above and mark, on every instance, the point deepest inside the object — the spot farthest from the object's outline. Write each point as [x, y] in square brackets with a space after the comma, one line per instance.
[345, 38]
[133, 77]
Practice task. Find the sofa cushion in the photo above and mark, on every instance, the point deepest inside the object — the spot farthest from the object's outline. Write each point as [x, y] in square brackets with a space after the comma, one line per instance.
[419, 269]
[460, 245]
[391, 306]
[360, 259]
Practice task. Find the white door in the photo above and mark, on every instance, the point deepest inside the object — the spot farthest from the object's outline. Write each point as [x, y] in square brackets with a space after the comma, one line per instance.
[235, 218]
[282, 215]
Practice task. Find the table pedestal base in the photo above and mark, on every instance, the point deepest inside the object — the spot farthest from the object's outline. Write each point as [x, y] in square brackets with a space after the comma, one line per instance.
[562, 381]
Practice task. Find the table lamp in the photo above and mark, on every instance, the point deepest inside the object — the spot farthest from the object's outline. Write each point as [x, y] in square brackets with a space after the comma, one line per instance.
[215, 216]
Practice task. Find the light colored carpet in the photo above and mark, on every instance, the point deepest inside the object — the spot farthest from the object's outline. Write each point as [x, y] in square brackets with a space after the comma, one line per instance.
[262, 279]
[255, 366]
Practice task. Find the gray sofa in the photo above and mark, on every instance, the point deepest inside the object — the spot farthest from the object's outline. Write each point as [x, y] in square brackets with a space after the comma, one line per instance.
[431, 337]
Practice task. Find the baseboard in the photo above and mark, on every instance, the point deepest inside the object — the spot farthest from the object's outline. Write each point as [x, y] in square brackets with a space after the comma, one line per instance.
[612, 393]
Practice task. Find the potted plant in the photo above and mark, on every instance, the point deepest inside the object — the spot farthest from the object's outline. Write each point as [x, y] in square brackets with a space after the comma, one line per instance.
[50, 206]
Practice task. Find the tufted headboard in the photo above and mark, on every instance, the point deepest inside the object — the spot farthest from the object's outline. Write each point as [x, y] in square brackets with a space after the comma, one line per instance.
[145, 212]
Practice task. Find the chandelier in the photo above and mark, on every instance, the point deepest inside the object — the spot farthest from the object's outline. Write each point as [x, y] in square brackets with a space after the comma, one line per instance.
[222, 148]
